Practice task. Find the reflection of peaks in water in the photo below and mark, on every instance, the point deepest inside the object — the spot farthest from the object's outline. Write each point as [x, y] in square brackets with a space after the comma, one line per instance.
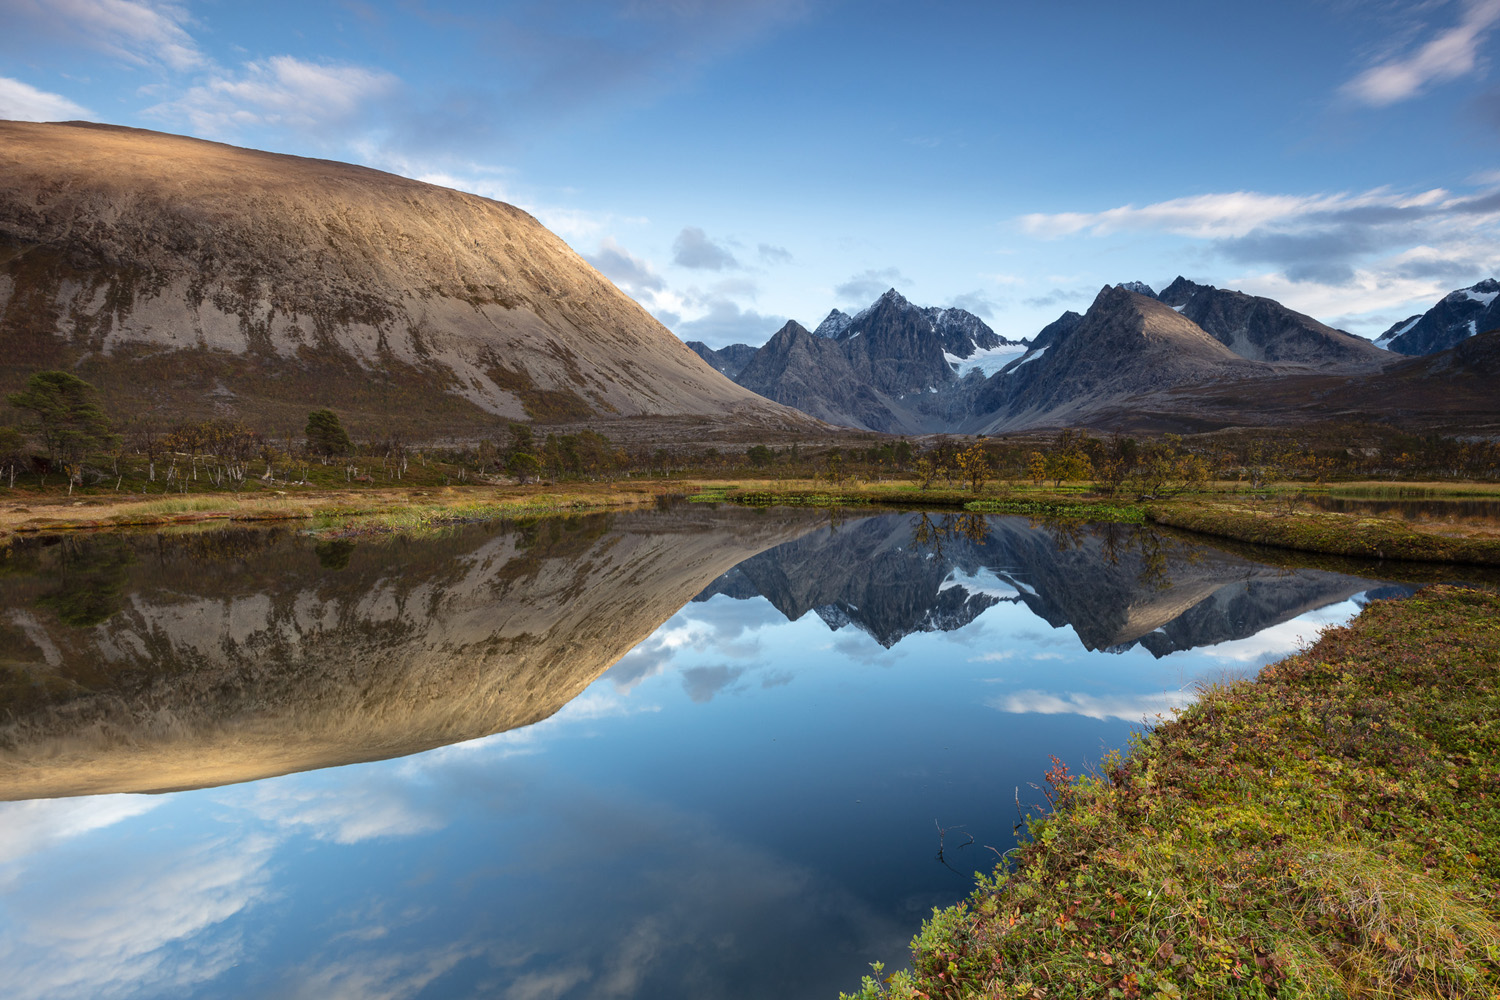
[1116, 585]
[139, 663]
[143, 663]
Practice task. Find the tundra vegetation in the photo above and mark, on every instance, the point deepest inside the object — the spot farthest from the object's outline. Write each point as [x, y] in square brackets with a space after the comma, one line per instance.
[56, 426]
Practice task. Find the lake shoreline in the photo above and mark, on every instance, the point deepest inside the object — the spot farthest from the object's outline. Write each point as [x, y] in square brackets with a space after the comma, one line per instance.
[1267, 519]
[1330, 828]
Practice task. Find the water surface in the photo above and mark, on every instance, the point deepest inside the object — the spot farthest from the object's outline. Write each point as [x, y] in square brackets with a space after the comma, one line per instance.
[679, 753]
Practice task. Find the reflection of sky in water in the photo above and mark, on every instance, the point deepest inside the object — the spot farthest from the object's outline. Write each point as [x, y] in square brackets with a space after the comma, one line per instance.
[742, 806]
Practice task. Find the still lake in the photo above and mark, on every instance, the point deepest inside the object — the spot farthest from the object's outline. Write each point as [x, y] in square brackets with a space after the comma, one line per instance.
[681, 752]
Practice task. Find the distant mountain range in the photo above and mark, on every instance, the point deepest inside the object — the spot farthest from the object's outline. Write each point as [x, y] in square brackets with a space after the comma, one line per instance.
[877, 575]
[1187, 358]
[193, 279]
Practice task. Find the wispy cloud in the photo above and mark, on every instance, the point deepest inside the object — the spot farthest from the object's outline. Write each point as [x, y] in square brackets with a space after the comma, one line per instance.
[22, 102]
[1331, 255]
[136, 31]
[1129, 707]
[1450, 54]
[280, 91]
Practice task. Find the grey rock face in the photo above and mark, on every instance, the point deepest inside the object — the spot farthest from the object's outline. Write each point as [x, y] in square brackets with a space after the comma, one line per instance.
[1127, 346]
[833, 324]
[730, 360]
[1459, 316]
[1263, 329]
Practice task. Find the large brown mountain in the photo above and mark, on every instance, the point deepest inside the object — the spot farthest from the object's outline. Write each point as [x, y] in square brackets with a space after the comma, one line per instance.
[195, 278]
[135, 663]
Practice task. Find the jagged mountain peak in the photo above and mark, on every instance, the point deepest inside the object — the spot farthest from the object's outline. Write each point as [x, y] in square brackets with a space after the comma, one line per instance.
[1458, 316]
[1139, 287]
[835, 323]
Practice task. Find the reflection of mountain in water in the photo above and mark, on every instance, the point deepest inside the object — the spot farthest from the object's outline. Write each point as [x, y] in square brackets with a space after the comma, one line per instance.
[140, 663]
[1116, 585]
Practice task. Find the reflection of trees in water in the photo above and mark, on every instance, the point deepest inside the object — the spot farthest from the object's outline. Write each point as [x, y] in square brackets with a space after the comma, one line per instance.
[334, 554]
[929, 534]
[92, 573]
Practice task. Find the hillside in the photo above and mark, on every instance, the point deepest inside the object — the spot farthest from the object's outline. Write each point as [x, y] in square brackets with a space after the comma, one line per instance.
[191, 278]
[247, 653]
[1125, 351]
[1263, 329]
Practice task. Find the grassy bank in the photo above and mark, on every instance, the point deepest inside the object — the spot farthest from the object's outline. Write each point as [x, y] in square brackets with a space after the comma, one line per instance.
[1328, 533]
[1331, 829]
[377, 507]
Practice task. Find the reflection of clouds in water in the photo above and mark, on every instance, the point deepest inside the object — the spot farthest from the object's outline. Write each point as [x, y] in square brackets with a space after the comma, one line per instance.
[359, 810]
[995, 656]
[375, 976]
[110, 934]
[860, 648]
[29, 827]
[1277, 641]
[702, 683]
[546, 985]
[1127, 707]
[721, 624]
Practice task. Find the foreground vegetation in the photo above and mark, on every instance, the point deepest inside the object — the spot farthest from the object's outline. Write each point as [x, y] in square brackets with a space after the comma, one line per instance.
[1331, 829]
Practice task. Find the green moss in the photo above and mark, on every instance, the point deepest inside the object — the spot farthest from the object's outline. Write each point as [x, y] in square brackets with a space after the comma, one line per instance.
[1331, 829]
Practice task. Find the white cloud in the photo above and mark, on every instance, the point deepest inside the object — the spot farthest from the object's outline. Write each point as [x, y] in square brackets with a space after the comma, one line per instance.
[1336, 256]
[137, 31]
[361, 811]
[1450, 55]
[1130, 708]
[1218, 216]
[279, 91]
[21, 102]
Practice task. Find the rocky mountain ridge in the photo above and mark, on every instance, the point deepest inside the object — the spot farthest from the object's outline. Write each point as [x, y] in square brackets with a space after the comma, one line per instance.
[1456, 317]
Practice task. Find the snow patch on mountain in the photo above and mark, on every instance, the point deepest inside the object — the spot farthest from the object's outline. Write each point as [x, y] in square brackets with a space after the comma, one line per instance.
[987, 360]
[1384, 343]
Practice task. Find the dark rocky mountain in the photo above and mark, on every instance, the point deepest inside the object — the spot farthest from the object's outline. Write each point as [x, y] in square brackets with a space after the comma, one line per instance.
[892, 367]
[833, 324]
[1125, 350]
[1139, 287]
[1263, 329]
[1116, 586]
[198, 279]
[730, 360]
[1055, 331]
[813, 374]
[1460, 315]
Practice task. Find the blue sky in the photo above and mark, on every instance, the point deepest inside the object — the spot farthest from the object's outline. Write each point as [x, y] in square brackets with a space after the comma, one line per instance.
[733, 164]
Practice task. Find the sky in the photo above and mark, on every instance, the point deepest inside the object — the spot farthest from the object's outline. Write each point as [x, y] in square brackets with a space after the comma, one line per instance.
[732, 164]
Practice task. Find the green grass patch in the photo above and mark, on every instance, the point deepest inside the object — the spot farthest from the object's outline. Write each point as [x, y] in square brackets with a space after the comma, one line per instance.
[1099, 511]
[1331, 829]
[1325, 532]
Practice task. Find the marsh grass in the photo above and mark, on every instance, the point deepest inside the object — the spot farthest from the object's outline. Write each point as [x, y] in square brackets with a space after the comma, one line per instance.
[1331, 829]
